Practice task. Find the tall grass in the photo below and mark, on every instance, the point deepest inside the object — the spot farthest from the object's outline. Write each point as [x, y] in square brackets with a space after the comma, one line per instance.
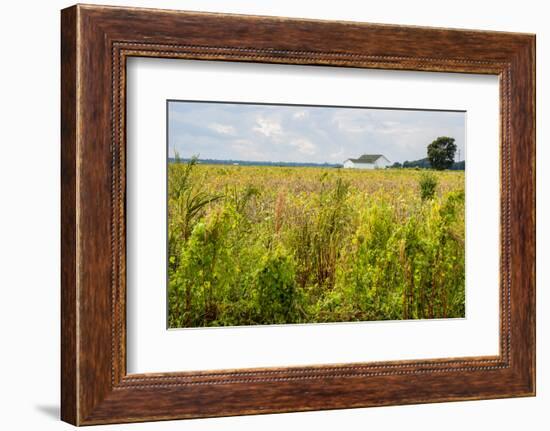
[263, 245]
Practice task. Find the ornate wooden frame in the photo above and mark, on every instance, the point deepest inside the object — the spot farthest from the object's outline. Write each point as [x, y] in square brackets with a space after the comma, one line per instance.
[95, 43]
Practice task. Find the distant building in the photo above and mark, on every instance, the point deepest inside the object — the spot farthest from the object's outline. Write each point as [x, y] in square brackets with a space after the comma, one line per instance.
[368, 161]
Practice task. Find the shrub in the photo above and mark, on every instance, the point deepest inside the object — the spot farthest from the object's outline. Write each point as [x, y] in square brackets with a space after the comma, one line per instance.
[428, 184]
[277, 293]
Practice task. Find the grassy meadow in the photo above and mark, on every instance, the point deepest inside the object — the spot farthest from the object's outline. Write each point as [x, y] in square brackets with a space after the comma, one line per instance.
[273, 245]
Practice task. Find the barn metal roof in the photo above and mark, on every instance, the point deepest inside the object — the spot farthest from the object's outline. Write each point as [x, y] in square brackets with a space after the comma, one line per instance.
[367, 158]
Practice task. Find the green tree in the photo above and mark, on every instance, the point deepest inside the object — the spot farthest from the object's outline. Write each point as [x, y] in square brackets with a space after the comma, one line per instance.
[441, 152]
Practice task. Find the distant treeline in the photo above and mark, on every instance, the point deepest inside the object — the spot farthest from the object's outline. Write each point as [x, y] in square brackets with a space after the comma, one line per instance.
[425, 164]
[422, 163]
[257, 163]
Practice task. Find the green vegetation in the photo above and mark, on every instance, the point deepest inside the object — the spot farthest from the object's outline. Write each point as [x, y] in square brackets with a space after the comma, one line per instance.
[428, 184]
[263, 245]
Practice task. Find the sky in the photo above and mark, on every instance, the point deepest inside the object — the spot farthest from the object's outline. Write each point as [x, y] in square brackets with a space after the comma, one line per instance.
[305, 134]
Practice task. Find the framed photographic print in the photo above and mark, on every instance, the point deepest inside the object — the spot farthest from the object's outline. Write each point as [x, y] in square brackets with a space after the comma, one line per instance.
[265, 214]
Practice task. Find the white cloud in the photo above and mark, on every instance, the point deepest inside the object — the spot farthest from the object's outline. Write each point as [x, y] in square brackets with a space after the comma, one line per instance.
[299, 115]
[304, 146]
[267, 127]
[338, 154]
[401, 130]
[390, 123]
[247, 149]
[352, 122]
[222, 129]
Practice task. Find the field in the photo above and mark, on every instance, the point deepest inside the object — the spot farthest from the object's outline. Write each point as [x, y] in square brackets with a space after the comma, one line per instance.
[271, 245]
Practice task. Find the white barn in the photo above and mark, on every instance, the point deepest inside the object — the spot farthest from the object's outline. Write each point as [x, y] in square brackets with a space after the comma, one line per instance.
[368, 161]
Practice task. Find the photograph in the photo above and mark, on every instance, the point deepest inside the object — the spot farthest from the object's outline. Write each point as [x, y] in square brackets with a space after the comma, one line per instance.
[286, 214]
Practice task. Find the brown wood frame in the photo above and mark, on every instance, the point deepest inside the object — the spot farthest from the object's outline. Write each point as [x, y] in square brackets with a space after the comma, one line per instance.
[95, 43]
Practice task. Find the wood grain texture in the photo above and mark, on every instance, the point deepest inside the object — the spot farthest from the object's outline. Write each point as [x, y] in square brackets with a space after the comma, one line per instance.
[69, 367]
[96, 41]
